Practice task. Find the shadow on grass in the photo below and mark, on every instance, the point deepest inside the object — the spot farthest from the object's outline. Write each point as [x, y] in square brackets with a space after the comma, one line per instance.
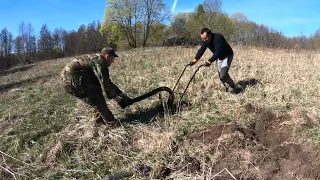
[148, 115]
[248, 83]
[7, 87]
[144, 116]
[17, 69]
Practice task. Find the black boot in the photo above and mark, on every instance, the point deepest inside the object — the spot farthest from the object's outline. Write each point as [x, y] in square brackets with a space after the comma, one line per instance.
[228, 83]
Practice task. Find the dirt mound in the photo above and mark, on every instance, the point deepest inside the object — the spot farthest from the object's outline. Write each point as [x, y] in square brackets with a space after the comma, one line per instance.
[212, 132]
[271, 148]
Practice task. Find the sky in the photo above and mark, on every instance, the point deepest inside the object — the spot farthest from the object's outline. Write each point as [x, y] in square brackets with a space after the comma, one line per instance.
[290, 17]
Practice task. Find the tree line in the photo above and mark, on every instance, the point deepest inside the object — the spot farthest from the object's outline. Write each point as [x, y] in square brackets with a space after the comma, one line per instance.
[128, 19]
[140, 23]
[28, 47]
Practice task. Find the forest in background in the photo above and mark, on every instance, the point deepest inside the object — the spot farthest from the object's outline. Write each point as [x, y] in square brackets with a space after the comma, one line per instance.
[132, 24]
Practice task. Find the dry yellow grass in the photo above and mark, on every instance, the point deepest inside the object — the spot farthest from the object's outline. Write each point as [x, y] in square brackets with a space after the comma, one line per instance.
[67, 146]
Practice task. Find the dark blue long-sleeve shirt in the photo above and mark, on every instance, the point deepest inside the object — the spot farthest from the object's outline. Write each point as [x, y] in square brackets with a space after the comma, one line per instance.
[218, 46]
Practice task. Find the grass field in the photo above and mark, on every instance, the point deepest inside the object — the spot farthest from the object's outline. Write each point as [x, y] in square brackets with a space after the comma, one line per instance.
[269, 131]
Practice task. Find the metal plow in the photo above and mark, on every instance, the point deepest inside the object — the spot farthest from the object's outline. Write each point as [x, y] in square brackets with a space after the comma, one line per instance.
[169, 104]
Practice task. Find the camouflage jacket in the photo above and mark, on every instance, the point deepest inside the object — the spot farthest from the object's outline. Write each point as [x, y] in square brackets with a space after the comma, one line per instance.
[88, 73]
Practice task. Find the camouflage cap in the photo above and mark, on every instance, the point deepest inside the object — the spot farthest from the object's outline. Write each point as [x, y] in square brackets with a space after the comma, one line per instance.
[109, 50]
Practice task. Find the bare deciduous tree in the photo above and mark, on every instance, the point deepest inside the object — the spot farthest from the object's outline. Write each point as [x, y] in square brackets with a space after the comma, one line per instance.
[6, 43]
[212, 9]
[30, 43]
[135, 17]
[240, 34]
[179, 25]
[4, 47]
[45, 44]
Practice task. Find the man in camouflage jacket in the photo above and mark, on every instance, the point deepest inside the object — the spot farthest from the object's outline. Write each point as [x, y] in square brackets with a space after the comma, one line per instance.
[87, 77]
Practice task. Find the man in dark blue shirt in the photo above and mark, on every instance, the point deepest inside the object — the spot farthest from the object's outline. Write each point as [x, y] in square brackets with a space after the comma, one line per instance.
[222, 52]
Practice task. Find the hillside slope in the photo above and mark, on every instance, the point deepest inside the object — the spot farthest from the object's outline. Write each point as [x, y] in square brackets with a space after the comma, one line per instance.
[270, 130]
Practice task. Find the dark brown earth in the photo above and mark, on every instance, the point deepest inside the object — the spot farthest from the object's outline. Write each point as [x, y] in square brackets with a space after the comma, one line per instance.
[271, 148]
[276, 146]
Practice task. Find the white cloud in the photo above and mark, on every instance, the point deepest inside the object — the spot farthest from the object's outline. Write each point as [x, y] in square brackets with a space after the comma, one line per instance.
[174, 6]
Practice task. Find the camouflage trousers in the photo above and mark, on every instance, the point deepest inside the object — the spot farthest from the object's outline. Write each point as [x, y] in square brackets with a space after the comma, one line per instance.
[97, 101]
